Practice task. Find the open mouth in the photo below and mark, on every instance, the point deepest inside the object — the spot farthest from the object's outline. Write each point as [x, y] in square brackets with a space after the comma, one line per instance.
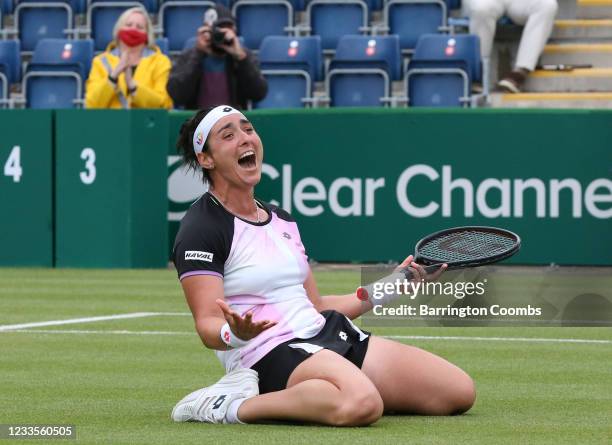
[247, 159]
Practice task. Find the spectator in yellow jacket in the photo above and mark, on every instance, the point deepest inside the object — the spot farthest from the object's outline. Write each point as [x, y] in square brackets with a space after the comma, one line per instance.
[132, 72]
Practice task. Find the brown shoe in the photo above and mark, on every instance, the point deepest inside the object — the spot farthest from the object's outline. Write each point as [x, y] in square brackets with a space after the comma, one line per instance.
[513, 82]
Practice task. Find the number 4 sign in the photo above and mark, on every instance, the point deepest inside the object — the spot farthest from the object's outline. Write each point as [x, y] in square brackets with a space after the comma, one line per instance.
[12, 167]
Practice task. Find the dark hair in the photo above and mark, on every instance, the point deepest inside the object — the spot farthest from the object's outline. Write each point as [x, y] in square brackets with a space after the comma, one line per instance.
[184, 143]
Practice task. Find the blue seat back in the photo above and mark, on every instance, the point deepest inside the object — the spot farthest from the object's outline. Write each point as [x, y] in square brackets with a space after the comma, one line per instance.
[332, 20]
[297, 53]
[38, 21]
[77, 6]
[6, 7]
[298, 5]
[103, 16]
[369, 52]
[181, 21]
[63, 55]
[464, 48]
[437, 89]
[411, 20]
[190, 42]
[453, 4]
[357, 90]
[10, 61]
[149, 5]
[162, 42]
[256, 21]
[51, 92]
[284, 91]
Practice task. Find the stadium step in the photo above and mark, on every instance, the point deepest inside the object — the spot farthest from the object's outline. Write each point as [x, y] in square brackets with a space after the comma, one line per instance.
[552, 100]
[582, 29]
[594, 9]
[596, 54]
[578, 80]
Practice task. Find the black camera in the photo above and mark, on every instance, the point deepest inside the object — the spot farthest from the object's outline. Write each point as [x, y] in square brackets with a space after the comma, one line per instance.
[218, 36]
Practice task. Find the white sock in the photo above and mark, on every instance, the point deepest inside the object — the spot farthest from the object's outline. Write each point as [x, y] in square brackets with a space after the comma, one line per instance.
[232, 411]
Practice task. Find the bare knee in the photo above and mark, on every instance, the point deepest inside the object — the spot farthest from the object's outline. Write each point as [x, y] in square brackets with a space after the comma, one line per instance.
[457, 398]
[464, 396]
[360, 409]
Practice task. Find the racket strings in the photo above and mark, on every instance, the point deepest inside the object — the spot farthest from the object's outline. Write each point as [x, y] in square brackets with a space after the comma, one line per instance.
[466, 246]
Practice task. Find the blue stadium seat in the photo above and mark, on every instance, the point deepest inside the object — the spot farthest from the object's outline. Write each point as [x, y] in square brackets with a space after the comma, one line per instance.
[35, 21]
[362, 69]
[257, 19]
[291, 65]
[6, 7]
[10, 61]
[10, 68]
[190, 42]
[162, 42]
[101, 18]
[149, 5]
[77, 6]
[332, 19]
[180, 20]
[442, 69]
[410, 19]
[56, 74]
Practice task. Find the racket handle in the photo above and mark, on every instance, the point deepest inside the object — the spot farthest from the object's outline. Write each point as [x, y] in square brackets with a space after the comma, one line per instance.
[429, 269]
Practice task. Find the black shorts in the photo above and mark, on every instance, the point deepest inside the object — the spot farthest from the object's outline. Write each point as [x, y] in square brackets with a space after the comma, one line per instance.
[338, 335]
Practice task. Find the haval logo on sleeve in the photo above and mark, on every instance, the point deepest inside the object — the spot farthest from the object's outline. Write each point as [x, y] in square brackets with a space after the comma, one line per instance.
[198, 255]
[227, 109]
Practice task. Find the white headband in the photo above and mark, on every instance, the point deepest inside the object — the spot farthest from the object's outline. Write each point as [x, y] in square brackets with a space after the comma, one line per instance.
[203, 129]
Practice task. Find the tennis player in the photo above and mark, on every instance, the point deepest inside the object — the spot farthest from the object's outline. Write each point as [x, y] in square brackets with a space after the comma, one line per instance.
[289, 353]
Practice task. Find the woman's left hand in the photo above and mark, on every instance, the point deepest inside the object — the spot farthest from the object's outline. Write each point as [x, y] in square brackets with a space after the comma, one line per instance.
[243, 327]
[129, 80]
[418, 271]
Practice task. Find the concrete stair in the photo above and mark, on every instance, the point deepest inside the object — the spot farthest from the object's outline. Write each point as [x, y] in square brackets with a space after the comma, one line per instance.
[596, 54]
[578, 80]
[594, 9]
[581, 29]
[552, 100]
[582, 35]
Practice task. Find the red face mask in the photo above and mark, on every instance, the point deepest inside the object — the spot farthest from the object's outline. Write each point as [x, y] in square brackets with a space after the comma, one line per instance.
[132, 36]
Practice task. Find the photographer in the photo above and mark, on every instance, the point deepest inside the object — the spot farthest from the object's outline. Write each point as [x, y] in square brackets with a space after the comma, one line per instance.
[218, 70]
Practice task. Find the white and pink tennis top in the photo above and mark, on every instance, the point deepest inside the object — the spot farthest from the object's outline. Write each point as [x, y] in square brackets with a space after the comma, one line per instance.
[263, 267]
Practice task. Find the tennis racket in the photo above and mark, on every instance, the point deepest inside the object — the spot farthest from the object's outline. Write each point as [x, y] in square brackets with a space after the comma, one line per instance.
[458, 247]
[461, 247]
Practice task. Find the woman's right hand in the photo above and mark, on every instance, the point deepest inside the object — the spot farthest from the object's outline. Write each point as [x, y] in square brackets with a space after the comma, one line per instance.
[243, 327]
[121, 66]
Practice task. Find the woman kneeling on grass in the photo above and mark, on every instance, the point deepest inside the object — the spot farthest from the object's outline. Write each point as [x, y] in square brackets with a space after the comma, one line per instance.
[289, 353]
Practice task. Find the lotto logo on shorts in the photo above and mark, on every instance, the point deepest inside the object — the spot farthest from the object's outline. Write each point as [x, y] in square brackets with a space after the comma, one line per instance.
[198, 256]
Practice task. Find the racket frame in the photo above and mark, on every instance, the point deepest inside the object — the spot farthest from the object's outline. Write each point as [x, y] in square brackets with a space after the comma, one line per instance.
[471, 263]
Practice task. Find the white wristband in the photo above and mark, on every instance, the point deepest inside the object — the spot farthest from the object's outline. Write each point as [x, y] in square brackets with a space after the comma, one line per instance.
[230, 339]
[375, 292]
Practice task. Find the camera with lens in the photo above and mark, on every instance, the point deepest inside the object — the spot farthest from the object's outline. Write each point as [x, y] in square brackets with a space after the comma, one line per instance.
[218, 35]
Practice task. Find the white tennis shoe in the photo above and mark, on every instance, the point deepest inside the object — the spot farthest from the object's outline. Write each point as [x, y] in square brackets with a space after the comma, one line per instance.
[210, 404]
